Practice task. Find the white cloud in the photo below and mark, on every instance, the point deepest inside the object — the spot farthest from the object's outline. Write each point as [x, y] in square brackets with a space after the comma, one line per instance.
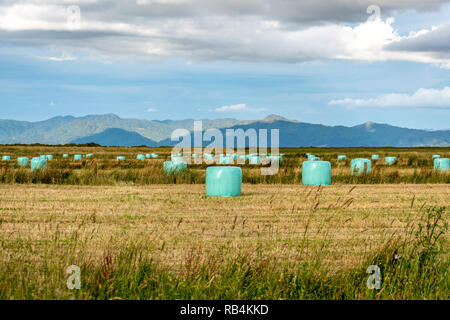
[242, 107]
[434, 98]
[151, 110]
[254, 30]
[61, 58]
[51, 104]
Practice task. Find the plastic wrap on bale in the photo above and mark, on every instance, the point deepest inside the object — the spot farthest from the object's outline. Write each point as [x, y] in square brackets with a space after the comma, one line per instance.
[223, 181]
[441, 164]
[315, 173]
[360, 166]
[38, 164]
[390, 160]
[22, 161]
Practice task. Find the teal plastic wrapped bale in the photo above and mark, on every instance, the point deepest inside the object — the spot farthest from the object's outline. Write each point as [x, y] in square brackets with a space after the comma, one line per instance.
[180, 154]
[208, 156]
[140, 157]
[148, 156]
[390, 160]
[315, 159]
[342, 157]
[375, 157]
[316, 173]
[65, 155]
[360, 166]
[89, 155]
[226, 159]
[311, 157]
[154, 155]
[38, 164]
[441, 164]
[49, 157]
[235, 156]
[77, 157]
[22, 161]
[255, 160]
[171, 167]
[435, 156]
[6, 158]
[223, 181]
[194, 155]
[120, 158]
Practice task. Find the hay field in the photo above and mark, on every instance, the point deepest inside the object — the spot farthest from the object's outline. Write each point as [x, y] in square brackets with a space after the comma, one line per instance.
[171, 241]
[414, 165]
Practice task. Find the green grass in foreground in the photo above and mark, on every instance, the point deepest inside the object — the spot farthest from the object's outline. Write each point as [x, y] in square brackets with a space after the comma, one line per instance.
[413, 268]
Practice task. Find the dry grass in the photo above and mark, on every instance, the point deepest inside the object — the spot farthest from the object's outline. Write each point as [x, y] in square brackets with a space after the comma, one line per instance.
[342, 221]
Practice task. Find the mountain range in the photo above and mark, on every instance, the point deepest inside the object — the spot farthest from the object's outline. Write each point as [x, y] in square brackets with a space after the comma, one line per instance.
[111, 130]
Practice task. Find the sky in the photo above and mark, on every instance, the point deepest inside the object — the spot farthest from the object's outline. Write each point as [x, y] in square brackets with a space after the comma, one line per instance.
[330, 62]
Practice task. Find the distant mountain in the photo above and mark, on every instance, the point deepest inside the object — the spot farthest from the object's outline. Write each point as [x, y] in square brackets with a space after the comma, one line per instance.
[299, 134]
[62, 130]
[109, 129]
[117, 137]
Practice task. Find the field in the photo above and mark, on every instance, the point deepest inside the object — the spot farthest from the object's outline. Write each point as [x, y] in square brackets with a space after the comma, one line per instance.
[414, 165]
[137, 234]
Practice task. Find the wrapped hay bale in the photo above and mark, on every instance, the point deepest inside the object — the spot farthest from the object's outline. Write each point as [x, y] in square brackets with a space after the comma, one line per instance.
[315, 173]
[441, 164]
[390, 160]
[38, 163]
[223, 181]
[22, 161]
[226, 159]
[360, 166]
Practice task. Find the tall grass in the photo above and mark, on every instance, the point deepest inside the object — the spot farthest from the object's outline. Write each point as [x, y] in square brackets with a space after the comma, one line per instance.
[413, 268]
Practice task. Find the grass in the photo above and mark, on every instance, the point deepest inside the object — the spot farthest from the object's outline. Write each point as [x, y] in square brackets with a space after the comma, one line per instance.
[414, 165]
[274, 242]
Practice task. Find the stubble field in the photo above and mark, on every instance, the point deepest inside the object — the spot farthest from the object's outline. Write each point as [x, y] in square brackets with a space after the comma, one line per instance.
[275, 241]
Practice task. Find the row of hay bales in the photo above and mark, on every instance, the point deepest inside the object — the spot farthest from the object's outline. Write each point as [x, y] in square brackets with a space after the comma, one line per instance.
[316, 172]
[226, 181]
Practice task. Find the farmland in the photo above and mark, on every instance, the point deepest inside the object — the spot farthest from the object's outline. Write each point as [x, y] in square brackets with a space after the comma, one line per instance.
[137, 234]
[414, 165]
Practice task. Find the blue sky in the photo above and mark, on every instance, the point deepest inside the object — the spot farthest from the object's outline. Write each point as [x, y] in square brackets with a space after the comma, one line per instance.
[210, 71]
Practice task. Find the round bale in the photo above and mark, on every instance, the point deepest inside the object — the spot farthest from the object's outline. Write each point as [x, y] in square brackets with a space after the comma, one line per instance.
[360, 166]
[223, 181]
[315, 173]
